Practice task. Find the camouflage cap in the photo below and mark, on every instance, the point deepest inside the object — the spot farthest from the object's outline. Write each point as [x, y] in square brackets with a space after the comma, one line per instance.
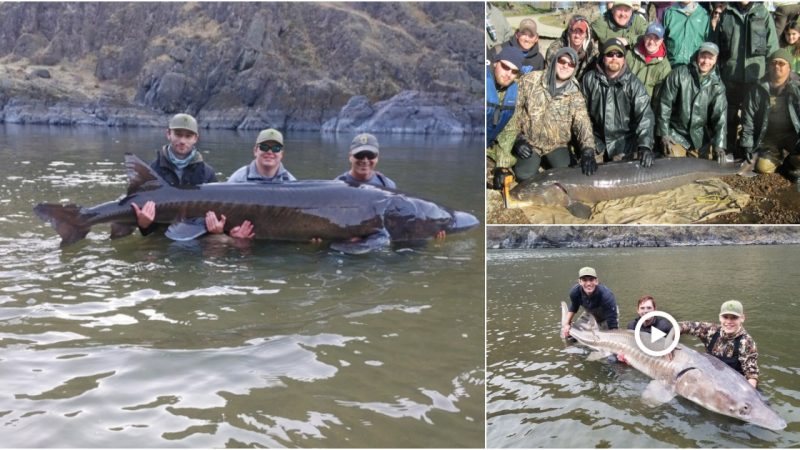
[733, 307]
[183, 122]
[587, 272]
[270, 134]
[364, 141]
[527, 26]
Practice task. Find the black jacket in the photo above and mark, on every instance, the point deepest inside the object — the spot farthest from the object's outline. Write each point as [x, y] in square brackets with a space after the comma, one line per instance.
[620, 111]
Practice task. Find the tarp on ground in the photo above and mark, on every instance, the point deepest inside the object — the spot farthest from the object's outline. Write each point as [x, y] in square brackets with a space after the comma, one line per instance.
[692, 203]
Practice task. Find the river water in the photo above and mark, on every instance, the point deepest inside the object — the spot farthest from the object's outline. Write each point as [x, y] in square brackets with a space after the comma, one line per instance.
[140, 342]
[542, 394]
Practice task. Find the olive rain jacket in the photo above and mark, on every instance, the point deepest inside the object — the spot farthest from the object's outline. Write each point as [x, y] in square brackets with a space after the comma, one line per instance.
[620, 112]
[652, 73]
[590, 52]
[745, 40]
[604, 28]
[756, 110]
[692, 111]
[684, 34]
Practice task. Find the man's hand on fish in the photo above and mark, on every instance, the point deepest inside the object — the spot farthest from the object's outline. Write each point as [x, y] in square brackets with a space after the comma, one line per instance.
[146, 215]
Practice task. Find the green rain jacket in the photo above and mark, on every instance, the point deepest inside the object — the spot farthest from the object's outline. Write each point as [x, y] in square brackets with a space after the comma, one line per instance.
[652, 73]
[756, 110]
[745, 40]
[604, 28]
[692, 111]
[620, 112]
[684, 34]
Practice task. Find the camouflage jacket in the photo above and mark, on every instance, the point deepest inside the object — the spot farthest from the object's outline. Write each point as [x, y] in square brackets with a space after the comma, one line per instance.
[748, 353]
[546, 122]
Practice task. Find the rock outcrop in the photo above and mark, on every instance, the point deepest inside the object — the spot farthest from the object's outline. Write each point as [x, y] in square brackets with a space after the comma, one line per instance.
[512, 237]
[402, 67]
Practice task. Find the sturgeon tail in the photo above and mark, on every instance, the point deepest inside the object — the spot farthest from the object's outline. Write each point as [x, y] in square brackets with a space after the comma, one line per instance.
[65, 219]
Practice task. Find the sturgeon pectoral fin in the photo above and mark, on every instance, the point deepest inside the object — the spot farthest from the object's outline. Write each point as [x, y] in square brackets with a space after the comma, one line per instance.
[657, 393]
[366, 245]
[598, 356]
[579, 210]
[119, 230]
[187, 230]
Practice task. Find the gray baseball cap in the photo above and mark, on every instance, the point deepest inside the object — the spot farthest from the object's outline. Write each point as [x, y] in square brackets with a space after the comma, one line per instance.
[364, 141]
[183, 122]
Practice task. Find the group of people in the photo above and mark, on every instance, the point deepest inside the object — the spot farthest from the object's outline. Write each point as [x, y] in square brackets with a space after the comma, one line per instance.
[179, 163]
[703, 81]
[728, 340]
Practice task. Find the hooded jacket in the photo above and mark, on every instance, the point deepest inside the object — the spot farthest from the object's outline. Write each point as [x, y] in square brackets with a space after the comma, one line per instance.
[692, 111]
[756, 110]
[745, 39]
[547, 122]
[533, 60]
[620, 111]
[197, 172]
[590, 52]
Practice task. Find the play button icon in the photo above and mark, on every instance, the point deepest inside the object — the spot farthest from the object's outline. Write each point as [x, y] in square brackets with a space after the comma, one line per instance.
[656, 343]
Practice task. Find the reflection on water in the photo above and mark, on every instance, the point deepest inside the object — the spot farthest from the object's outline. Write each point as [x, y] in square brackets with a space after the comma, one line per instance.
[541, 393]
[142, 342]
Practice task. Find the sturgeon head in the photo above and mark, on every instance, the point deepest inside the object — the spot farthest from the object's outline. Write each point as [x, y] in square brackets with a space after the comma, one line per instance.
[414, 219]
[712, 384]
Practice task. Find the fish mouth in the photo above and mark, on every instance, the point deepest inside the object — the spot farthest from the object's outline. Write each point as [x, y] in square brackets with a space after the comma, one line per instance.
[463, 221]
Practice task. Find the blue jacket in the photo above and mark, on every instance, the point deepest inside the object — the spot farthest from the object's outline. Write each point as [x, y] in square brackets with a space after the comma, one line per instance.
[504, 111]
[602, 304]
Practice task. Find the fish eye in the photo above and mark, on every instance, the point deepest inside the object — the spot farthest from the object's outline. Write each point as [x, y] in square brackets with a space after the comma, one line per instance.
[744, 410]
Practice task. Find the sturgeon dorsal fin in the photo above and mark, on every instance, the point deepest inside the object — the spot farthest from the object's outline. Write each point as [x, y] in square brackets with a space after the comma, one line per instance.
[141, 177]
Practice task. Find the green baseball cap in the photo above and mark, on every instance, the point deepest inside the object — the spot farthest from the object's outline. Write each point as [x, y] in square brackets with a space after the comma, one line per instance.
[183, 122]
[733, 307]
[587, 272]
[270, 134]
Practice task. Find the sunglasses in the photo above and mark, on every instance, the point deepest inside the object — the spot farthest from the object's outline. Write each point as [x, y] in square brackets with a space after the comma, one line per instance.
[566, 62]
[779, 63]
[509, 68]
[614, 55]
[365, 154]
[275, 148]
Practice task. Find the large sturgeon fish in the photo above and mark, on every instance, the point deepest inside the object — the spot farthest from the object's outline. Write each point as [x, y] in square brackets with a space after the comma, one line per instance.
[357, 218]
[570, 188]
[698, 377]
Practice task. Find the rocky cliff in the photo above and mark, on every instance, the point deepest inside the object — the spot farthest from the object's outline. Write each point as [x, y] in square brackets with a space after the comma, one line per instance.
[640, 236]
[403, 67]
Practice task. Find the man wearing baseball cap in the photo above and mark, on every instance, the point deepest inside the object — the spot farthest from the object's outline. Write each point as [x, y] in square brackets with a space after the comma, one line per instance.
[179, 163]
[526, 40]
[619, 22]
[501, 91]
[578, 37]
[728, 341]
[648, 59]
[363, 158]
[771, 118]
[596, 298]
[693, 128]
[267, 165]
[619, 108]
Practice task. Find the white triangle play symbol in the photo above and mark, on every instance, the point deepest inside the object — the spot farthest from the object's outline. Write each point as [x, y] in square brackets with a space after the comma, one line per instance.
[656, 334]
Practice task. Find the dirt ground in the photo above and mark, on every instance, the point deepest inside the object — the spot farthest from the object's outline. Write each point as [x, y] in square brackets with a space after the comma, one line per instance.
[774, 200]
